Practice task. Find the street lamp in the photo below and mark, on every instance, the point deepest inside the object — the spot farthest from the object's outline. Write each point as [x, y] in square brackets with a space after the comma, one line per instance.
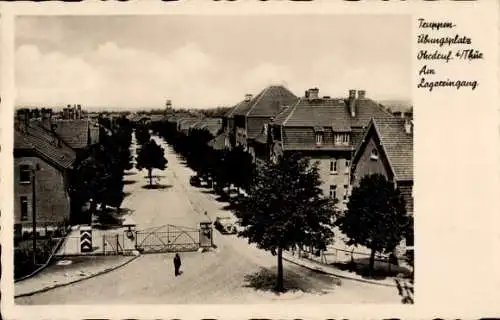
[33, 213]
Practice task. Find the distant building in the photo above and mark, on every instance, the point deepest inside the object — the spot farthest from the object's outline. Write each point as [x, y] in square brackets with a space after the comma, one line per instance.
[41, 165]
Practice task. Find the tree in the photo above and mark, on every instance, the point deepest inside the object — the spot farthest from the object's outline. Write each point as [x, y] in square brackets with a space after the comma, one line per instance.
[376, 216]
[286, 208]
[142, 135]
[149, 156]
[241, 167]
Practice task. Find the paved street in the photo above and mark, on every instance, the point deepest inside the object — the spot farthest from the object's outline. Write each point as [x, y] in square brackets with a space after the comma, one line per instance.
[231, 274]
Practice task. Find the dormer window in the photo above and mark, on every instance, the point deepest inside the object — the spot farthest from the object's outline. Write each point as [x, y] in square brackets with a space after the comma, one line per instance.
[341, 139]
[374, 154]
[319, 138]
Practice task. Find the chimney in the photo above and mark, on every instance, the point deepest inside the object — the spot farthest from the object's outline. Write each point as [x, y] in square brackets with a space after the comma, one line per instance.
[79, 111]
[47, 118]
[312, 94]
[408, 126]
[352, 103]
[248, 97]
[361, 94]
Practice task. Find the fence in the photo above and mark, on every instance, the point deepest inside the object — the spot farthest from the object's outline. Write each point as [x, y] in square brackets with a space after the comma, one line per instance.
[350, 259]
[44, 230]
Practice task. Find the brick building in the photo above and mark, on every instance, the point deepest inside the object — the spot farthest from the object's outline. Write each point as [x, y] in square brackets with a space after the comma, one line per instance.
[327, 130]
[41, 165]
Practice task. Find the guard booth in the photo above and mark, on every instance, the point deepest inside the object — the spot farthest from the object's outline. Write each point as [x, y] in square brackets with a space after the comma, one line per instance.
[206, 235]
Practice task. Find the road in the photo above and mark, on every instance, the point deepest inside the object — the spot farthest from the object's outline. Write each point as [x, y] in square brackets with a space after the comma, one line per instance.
[235, 273]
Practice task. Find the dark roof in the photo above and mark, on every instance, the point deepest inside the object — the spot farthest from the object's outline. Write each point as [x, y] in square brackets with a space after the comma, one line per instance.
[187, 123]
[398, 146]
[266, 104]
[212, 125]
[157, 117]
[270, 102]
[31, 138]
[330, 113]
[75, 133]
[303, 138]
[219, 142]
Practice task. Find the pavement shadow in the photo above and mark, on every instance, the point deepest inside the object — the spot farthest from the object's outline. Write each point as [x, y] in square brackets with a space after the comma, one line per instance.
[129, 181]
[157, 186]
[265, 280]
[208, 191]
[381, 271]
[128, 173]
[126, 194]
[111, 218]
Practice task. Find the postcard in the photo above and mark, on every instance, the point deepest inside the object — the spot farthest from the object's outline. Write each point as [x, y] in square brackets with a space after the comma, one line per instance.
[250, 159]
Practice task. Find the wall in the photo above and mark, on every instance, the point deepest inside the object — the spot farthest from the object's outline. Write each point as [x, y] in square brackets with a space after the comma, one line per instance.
[340, 178]
[52, 199]
[367, 166]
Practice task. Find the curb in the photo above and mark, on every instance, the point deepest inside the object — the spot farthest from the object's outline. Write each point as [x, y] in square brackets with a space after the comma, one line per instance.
[318, 269]
[77, 280]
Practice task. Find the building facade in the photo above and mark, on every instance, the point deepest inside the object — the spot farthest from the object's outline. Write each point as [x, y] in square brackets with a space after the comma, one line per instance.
[387, 149]
[41, 166]
[327, 130]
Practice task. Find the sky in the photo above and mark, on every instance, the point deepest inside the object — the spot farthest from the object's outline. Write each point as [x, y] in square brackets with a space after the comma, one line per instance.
[207, 61]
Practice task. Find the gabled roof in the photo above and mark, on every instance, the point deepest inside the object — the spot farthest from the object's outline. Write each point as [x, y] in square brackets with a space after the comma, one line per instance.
[396, 143]
[59, 154]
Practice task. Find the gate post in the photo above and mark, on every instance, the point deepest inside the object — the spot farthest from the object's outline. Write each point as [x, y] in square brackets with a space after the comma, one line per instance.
[206, 236]
[117, 243]
[85, 238]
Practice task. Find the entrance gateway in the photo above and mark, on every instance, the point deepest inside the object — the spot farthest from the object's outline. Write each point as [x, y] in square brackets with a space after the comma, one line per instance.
[170, 238]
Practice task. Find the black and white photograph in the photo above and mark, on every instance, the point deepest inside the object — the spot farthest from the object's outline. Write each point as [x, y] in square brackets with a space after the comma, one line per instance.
[213, 159]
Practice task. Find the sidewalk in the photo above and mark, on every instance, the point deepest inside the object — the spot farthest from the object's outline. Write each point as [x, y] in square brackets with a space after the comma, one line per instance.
[306, 263]
[80, 268]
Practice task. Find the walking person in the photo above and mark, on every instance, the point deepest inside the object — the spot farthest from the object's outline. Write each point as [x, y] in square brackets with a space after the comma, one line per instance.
[177, 264]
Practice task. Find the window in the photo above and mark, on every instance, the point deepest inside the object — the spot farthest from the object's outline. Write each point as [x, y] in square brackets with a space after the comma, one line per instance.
[341, 139]
[24, 174]
[347, 166]
[374, 155]
[346, 192]
[24, 208]
[333, 166]
[333, 191]
[319, 138]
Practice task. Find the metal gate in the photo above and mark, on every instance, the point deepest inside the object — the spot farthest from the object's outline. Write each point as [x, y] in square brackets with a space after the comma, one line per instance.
[167, 238]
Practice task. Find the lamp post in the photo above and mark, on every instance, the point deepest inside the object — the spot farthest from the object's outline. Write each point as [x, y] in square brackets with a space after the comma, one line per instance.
[33, 213]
